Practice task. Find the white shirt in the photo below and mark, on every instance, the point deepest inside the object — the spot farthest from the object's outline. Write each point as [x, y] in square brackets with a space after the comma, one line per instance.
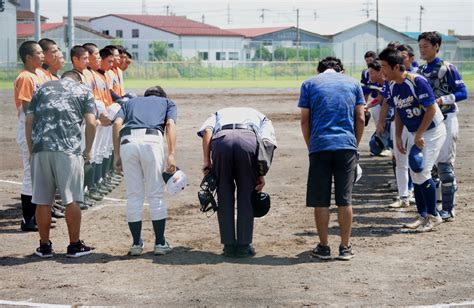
[240, 115]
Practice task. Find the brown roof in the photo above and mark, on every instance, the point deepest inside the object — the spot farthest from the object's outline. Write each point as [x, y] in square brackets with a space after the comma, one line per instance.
[178, 25]
[28, 15]
[28, 30]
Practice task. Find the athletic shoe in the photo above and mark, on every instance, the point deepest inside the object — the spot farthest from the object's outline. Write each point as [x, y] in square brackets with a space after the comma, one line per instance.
[137, 250]
[56, 213]
[431, 222]
[447, 216]
[321, 252]
[345, 253]
[45, 250]
[78, 249]
[401, 203]
[243, 251]
[106, 187]
[89, 202]
[418, 222]
[385, 153]
[102, 191]
[95, 196]
[58, 206]
[162, 249]
[29, 226]
[229, 250]
[54, 220]
[83, 206]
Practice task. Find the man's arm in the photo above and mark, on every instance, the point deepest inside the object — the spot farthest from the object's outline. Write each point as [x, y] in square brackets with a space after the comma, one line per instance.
[171, 142]
[380, 127]
[90, 134]
[24, 105]
[29, 120]
[117, 126]
[398, 133]
[359, 122]
[206, 150]
[305, 125]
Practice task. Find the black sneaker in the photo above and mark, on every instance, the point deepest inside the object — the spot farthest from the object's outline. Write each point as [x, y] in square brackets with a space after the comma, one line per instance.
[345, 253]
[29, 226]
[243, 251]
[45, 250]
[321, 252]
[229, 250]
[55, 213]
[78, 249]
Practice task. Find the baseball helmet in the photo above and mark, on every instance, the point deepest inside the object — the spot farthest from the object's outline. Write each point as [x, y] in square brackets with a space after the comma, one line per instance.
[358, 173]
[415, 159]
[207, 193]
[175, 182]
[260, 203]
[376, 145]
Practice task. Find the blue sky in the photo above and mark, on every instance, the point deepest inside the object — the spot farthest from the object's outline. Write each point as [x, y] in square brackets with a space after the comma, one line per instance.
[325, 17]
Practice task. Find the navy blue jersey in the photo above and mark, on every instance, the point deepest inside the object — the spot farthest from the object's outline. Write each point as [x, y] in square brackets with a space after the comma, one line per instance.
[411, 98]
[388, 98]
[365, 81]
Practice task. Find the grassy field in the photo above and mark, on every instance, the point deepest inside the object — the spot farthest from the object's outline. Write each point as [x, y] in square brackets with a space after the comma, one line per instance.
[220, 84]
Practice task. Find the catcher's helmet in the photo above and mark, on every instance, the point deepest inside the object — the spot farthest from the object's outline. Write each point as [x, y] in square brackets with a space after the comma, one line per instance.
[175, 182]
[415, 159]
[207, 193]
[260, 203]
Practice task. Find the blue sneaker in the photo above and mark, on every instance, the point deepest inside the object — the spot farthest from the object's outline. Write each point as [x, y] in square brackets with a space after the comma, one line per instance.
[447, 216]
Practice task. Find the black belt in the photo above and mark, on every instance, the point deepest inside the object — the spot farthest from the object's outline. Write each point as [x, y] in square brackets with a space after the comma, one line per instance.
[149, 131]
[237, 126]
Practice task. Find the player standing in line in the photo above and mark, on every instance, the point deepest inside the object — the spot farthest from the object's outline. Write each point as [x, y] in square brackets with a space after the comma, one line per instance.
[126, 61]
[57, 65]
[415, 108]
[25, 86]
[50, 51]
[113, 74]
[448, 88]
[369, 57]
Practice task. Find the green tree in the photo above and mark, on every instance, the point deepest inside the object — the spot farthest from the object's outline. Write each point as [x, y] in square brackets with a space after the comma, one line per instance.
[262, 54]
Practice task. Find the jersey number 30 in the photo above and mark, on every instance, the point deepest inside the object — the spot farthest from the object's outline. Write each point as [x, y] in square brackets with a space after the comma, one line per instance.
[415, 112]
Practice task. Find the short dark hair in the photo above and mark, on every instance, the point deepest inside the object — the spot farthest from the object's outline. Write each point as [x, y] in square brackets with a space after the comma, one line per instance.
[375, 65]
[129, 55]
[330, 63]
[121, 49]
[72, 74]
[77, 51]
[392, 57]
[105, 52]
[370, 54]
[394, 44]
[46, 43]
[407, 48]
[90, 47]
[433, 37]
[155, 91]
[26, 49]
[111, 47]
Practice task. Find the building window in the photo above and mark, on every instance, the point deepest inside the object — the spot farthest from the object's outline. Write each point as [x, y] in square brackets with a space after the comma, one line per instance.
[135, 46]
[248, 55]
[267, 42]
[151, 56]
[135, 33]
[135, 56]
[170, 45]
[106, 32]
[203, 55]
[119, 33]
[233, 56]
[220, 55]
[150, 46]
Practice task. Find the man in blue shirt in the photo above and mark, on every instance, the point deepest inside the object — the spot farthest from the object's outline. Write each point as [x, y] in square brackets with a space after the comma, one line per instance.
[415, 108]
[448, 88]
[332, 123]
[139, 148]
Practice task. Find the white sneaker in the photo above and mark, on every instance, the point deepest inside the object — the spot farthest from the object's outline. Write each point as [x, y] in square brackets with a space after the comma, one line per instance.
[401, 203]
[386, 153]
[162, 249]
[418, 222]
[431, 222]
[137, 250]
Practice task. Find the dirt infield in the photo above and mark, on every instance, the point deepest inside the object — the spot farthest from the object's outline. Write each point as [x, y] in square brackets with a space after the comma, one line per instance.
[390, 267]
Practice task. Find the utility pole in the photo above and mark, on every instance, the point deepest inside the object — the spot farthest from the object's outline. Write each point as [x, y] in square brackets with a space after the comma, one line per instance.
[167, 7]
[315, 14]
[228, 14]
[203, 18]
[421, 13]
[70, 24]
[407, 19]
[377, 25]
[144, 10]
[297, 33]
[367, 4]
[263, 15]
[37, 21]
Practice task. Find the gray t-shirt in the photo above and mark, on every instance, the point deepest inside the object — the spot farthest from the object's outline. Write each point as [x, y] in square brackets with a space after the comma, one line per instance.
[59, 107]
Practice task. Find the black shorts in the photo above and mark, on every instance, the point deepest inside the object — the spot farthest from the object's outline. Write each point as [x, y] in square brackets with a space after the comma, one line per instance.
[322, 167]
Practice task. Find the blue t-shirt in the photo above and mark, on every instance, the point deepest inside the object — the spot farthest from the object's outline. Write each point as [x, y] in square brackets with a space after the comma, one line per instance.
[411, 98]
[331, 98]
[147, 112]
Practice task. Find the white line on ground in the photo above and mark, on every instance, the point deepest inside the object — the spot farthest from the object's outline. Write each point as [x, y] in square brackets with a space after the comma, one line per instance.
[28, 304]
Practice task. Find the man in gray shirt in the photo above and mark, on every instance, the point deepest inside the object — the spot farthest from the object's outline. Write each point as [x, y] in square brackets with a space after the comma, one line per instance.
[53, 132]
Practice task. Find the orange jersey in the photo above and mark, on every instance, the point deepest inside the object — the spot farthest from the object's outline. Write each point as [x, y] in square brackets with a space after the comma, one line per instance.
[88, 80]
[102, 92]
[116, 77]
[25, 86]
[45, 74]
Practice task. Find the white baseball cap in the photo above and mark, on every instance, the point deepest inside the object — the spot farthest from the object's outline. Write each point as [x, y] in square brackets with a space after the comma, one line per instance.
[175, 182]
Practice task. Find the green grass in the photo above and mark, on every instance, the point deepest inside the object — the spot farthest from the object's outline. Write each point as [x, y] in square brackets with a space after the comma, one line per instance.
[219, 84]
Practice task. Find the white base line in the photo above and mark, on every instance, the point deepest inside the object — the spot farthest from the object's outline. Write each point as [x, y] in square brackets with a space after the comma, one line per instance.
[105, 198]
[28, 304]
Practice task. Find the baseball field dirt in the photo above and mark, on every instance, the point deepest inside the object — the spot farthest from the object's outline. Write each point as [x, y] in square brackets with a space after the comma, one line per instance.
[390, 267]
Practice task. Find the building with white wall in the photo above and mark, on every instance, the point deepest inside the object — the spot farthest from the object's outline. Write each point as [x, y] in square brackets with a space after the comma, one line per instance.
[8, 33]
